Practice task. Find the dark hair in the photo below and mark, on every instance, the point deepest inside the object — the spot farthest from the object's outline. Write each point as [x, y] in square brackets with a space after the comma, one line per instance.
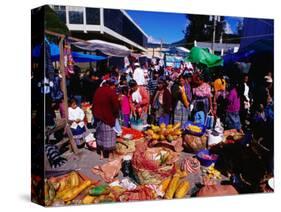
[242, 161]
[180, 77]
[132, 83]
[71, 101]
[163, 81]
[125, 90]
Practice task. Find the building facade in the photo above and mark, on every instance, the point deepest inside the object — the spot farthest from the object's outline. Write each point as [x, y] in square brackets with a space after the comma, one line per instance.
[112, 25]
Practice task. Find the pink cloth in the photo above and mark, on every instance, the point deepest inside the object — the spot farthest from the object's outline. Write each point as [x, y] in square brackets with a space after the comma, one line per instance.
[233, 101]
[62, 111]
[125, 105]
[203, 90]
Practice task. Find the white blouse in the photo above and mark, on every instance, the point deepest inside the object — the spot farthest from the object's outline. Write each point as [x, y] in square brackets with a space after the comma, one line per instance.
[74, 114]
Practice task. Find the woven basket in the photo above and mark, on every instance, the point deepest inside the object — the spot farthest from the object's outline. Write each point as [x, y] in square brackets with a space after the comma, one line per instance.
[150, 171]
[152, 177]
[200, 143]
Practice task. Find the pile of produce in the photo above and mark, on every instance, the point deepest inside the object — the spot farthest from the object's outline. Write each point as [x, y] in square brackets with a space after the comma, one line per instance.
[163, 132]
[153, 164]
[142, 192]
[175, 186]
[194, 129]
[102, 194]
[194, 143]
[232, 136]
[211, 176]
[125, 146]
[65, 189]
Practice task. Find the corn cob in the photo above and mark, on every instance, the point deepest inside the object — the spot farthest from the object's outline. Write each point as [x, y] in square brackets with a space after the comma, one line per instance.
[73, 179]
[70, 195]
[165, 183]
[88, 199]
[172, 187]
[182, 189]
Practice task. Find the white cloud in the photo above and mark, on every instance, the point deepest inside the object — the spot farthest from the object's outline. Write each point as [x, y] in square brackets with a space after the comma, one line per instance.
[153, 40]
[227, 29]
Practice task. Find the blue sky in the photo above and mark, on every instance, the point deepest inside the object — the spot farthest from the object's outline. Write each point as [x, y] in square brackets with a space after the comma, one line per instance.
[169, 26]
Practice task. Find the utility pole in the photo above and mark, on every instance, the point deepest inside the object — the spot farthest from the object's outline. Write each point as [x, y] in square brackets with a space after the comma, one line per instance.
[161, 45]
[214, 32]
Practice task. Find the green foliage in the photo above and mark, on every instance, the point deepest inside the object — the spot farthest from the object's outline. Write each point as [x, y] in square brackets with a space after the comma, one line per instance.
[53, 22]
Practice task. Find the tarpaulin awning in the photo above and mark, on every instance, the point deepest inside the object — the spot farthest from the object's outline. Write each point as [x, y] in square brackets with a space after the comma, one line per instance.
[245, 53]
[239, 56]
[107, 48]
[77, 56]
[179, 50]
[202, 56]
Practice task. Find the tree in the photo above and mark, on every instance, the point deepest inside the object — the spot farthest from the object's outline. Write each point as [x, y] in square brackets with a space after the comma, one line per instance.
[196, 30]
[53, 22]
[240, 27]
[200, 28]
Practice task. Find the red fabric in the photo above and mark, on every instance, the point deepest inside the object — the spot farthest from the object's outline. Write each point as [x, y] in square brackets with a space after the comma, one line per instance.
[106, 105]
[167, 101]
[145, 98]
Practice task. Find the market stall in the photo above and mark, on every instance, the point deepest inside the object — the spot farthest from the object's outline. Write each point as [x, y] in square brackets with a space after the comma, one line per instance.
[162, 162]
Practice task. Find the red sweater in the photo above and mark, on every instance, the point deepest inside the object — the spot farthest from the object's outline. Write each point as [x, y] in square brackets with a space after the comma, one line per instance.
[106, 105]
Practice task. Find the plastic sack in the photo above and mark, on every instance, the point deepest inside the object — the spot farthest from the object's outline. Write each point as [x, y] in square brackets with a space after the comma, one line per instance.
[99, 190]
[108, 171]
[216, 190]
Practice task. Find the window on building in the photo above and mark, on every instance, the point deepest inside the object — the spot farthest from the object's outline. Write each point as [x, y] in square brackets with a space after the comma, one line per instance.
[76, 15]
[93, 16]
[60, 10]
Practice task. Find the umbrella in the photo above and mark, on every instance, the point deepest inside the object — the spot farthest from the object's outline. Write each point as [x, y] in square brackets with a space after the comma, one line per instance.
[239, 56]
[202, 56]
[77, 56]
[107, 48]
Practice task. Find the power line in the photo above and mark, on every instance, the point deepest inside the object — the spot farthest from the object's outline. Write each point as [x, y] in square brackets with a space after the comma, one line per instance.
[229, 39]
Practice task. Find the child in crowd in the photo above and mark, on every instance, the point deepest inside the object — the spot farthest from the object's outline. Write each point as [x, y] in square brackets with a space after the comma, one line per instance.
[76, 116]
[199, 117]
[125, 106]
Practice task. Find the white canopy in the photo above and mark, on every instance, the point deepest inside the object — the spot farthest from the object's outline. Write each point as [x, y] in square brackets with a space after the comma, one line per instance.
[182, 49]
[107, 48]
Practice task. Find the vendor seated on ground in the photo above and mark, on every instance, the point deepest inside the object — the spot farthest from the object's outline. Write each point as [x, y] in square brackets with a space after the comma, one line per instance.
[199, 117]
[76, 116]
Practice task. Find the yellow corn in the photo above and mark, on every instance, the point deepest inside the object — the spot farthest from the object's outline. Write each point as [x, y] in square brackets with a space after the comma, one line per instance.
[194, 128]
[172, 187]
[70, 195]
[73, 179]
[165, 183]
[182, 189]
[88, 199]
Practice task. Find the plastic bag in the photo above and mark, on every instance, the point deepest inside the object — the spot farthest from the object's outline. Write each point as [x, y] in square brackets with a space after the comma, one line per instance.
[99, 190]
[216, 190]
[108, 171]
[209, 122]
[127, 170]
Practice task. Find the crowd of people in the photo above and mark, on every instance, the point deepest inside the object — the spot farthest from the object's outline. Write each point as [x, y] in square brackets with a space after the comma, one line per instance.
[145, 94]
[153, 94]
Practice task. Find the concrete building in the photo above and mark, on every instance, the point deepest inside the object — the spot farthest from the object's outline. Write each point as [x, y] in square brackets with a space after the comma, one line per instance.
[112, 25]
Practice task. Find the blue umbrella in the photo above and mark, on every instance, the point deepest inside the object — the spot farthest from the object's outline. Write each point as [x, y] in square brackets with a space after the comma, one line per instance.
[77, 56]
